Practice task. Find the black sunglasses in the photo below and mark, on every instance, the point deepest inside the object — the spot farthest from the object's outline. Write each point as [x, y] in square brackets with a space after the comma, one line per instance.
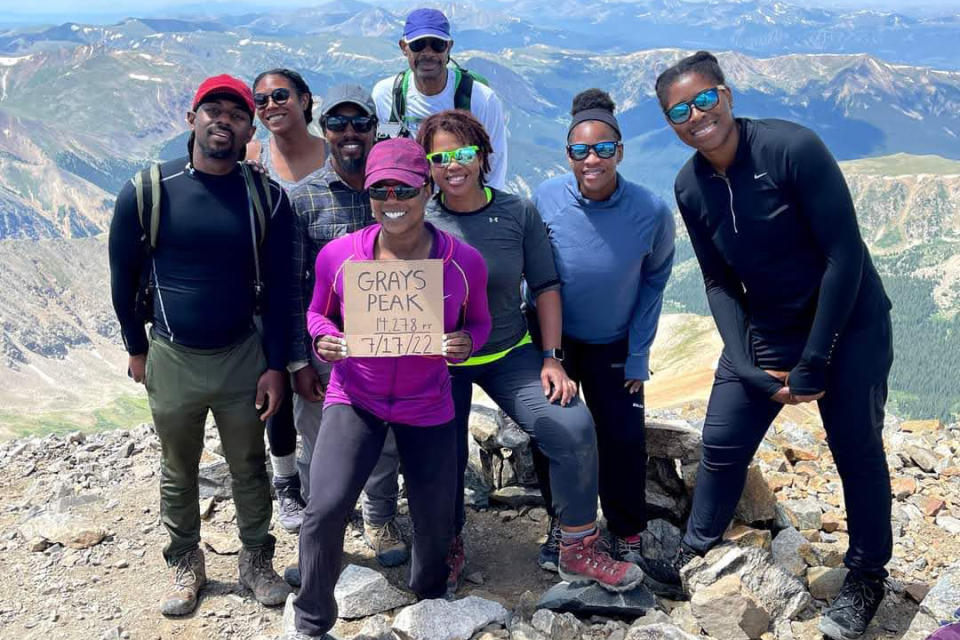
[400, 192]
[280, 95]
[605, 150]
[337, 124]
[438, 45]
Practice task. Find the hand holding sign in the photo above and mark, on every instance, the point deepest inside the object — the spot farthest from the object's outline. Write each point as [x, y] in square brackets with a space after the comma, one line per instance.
[394, 308]
[457, 346]
[331, 348]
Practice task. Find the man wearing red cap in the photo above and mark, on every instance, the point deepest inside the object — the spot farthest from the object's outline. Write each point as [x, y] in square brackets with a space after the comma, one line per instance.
[203, 272]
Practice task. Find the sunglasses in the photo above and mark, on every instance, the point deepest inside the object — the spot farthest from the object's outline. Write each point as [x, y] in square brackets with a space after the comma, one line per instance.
[360, 124]
[703, 101]
[605, 150]
[279, 95]
[463, 155]
[438, 45]
[399, 192]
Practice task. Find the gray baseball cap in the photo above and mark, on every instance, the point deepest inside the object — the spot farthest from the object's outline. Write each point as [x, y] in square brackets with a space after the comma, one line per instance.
[350, 94]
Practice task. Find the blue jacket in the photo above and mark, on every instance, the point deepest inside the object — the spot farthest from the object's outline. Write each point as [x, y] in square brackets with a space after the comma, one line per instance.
[614, 258]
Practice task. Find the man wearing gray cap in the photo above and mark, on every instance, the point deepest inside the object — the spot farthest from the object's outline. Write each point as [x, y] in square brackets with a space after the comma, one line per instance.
[429, 87]
[331, 204]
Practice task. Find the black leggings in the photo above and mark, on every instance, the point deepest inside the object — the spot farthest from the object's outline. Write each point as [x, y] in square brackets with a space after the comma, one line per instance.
[621, 442]
[852, 410]
[281, 433]
[348, 447]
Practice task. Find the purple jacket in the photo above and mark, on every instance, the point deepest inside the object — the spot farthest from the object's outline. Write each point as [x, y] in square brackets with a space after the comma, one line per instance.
[413, 390]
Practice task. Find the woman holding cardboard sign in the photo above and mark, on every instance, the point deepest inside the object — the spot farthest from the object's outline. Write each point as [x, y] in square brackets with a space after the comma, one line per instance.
[409, 394]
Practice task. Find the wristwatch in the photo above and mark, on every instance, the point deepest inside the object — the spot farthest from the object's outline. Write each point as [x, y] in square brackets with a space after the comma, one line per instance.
[556, 354]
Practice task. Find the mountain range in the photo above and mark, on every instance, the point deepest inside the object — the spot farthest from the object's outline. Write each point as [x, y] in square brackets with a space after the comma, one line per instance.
[83, 106]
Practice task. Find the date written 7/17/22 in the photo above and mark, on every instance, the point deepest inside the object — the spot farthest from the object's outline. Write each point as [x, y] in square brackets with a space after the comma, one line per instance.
[400, 336]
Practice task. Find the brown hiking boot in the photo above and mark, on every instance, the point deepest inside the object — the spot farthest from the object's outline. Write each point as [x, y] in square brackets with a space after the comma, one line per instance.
[257, 574]
[189, 577]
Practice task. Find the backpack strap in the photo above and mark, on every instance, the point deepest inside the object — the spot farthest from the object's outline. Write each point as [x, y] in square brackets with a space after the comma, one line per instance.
[257, 200]
[149, 222]
[463, 89]
[398, 106]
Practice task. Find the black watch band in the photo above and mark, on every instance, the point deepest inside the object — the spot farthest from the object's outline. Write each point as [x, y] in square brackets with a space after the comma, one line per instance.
[556, 354]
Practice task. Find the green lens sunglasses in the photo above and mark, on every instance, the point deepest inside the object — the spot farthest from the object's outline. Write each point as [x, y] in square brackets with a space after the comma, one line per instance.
[463, 155]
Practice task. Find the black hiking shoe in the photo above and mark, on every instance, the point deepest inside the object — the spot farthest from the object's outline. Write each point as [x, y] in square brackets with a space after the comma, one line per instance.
[549, 557]
[851, 611]
[661, 576]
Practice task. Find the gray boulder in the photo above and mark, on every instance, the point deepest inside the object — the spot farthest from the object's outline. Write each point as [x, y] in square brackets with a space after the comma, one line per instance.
[593, 599]
[673, 439]
[724, 610]
[215, 480]
[517, 497]
[757, 503]
[661, 540]
[943, 600]
[375, 628]
[444, 620]
[781, 594]
[660, 631]
[556, 626]
[362, 592]
[808, 512]
[787, 549]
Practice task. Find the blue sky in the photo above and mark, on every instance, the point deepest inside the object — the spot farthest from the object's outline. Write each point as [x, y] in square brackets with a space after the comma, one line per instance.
[110, 10]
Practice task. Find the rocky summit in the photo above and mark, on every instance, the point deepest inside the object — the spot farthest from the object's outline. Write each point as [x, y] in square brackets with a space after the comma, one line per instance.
[80, 540]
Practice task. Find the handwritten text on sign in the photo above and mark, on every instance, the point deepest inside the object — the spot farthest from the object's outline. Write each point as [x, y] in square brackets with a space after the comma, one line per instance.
[393, 307]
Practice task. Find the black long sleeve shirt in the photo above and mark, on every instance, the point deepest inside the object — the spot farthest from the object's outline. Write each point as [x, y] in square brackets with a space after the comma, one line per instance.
[785, 268]
[203, 265]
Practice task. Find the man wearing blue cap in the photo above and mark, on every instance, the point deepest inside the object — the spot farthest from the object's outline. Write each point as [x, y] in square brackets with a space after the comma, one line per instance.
[429, 86]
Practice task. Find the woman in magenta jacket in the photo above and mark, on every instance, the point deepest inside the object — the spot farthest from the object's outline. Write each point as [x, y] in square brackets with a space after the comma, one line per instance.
[408, 394]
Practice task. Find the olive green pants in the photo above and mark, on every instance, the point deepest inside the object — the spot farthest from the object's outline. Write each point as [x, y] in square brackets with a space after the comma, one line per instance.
[183, 384]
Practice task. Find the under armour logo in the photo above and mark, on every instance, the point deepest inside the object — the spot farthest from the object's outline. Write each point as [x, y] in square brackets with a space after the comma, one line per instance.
[494, 219]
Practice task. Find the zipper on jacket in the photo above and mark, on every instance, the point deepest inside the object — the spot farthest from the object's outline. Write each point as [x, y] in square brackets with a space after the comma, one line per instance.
[393, 385]
[733, 213]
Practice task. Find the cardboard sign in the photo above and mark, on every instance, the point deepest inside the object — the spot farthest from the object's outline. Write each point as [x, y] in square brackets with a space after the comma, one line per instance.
[393, 307]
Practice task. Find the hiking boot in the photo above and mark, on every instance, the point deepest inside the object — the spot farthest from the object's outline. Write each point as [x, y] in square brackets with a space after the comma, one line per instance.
[299, 635]
[291, 575]
[456, 561]
[684, 556]
[257, 574]
[587, 560]
[549, 557]
[387, 543]
[290, 506]
[190, 576]
[662, 577]
[852, 610]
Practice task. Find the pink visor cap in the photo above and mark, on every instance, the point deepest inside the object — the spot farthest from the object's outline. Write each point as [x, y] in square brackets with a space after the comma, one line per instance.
[400, 159]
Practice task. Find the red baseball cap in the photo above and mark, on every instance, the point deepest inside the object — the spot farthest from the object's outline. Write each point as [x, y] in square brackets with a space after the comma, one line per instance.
[225, 84]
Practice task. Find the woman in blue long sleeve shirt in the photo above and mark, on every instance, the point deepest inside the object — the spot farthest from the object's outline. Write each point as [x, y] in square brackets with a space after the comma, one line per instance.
[613, 243]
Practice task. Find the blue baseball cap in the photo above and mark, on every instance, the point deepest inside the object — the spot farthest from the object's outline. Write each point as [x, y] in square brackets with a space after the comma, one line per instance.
[426, 23]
